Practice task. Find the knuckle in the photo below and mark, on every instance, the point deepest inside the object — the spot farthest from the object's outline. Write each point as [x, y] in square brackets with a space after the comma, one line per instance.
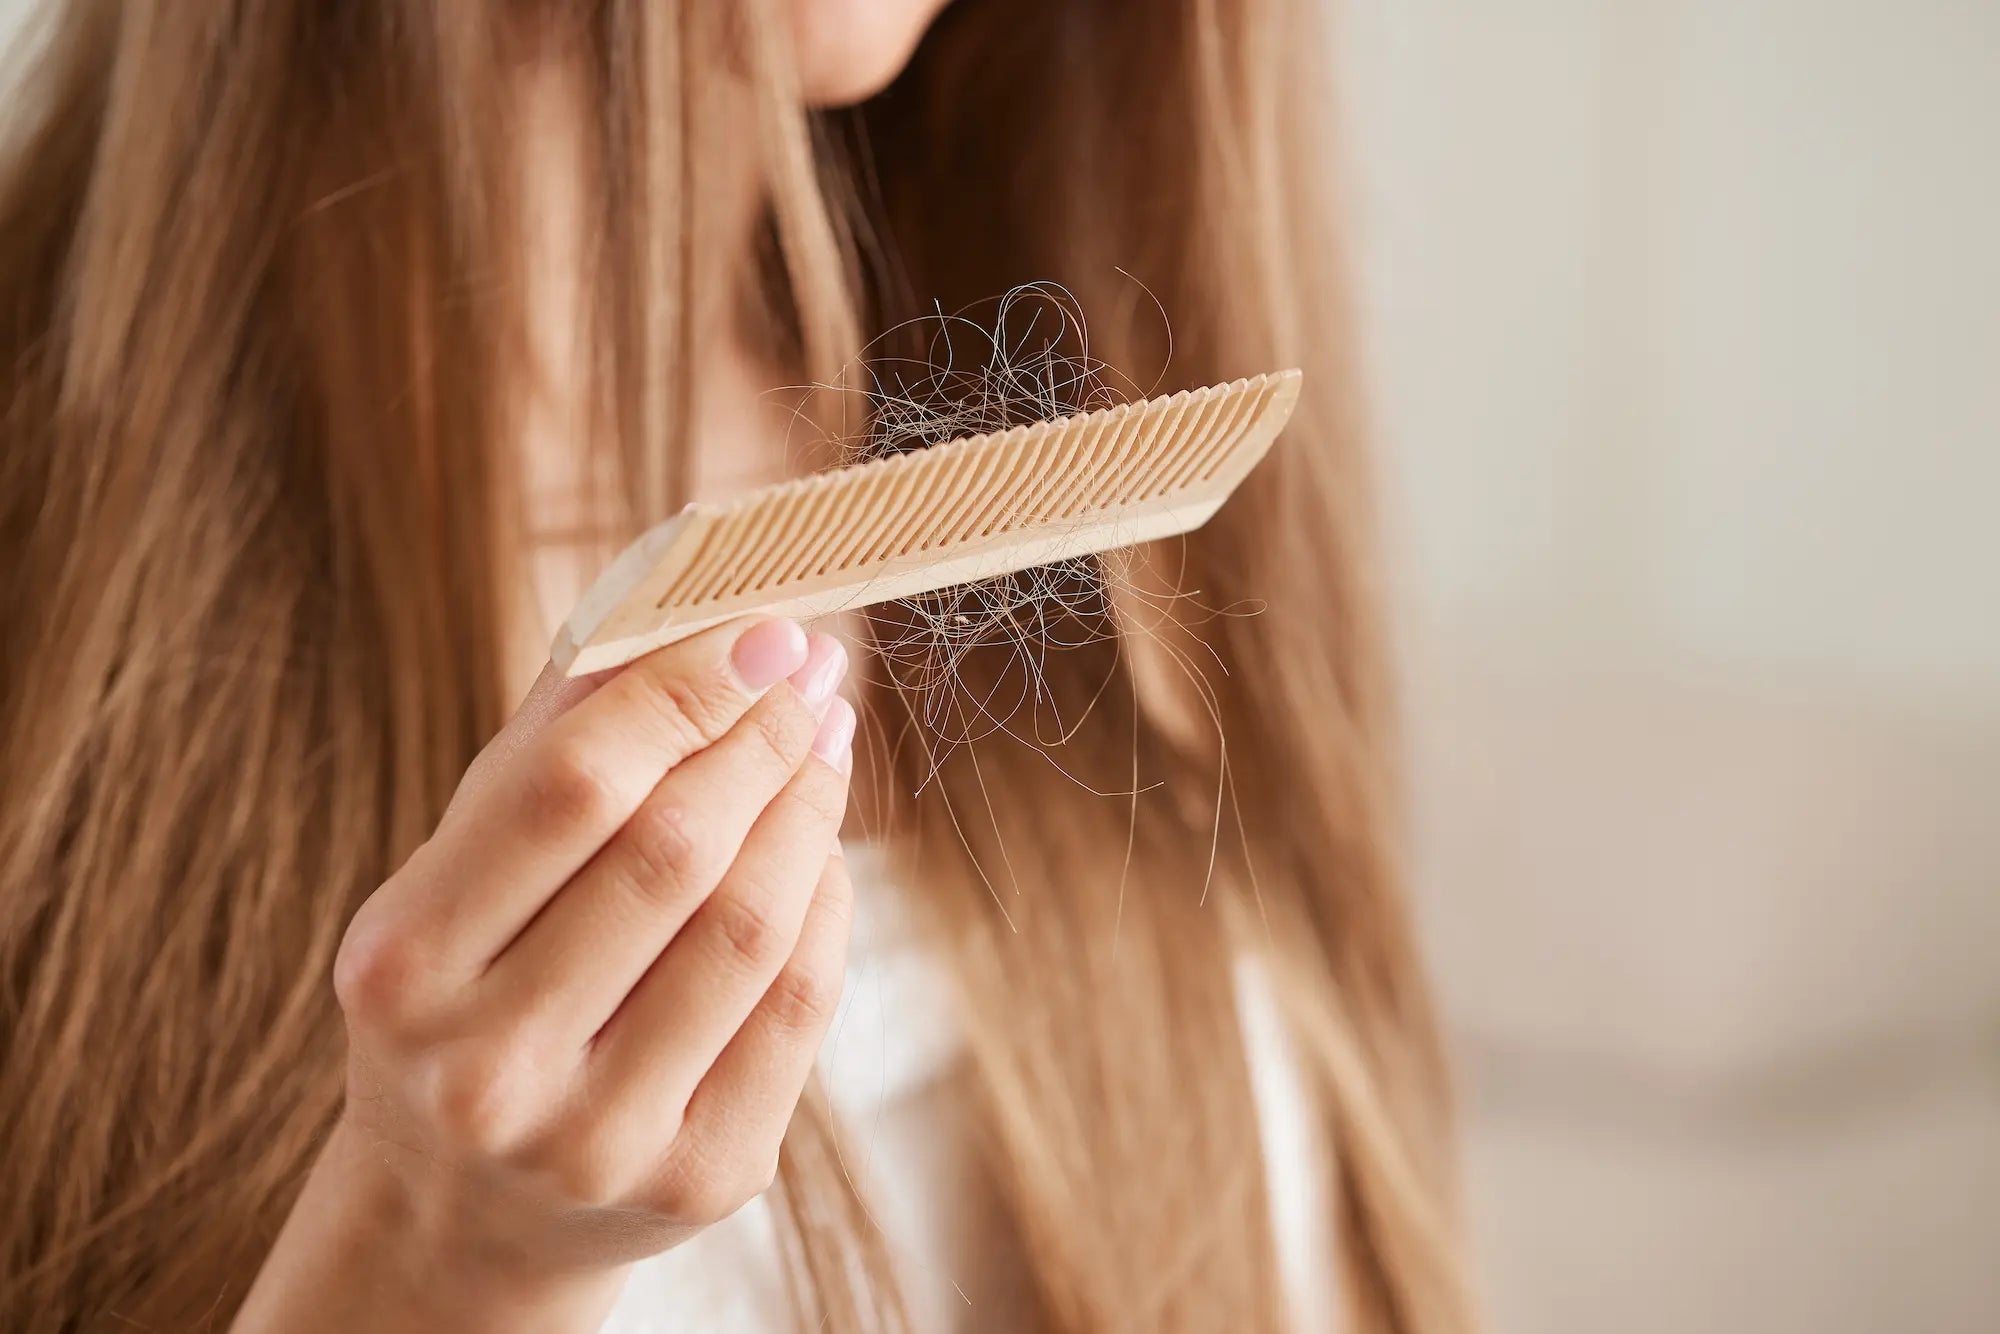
[375, 976]
[665, 850]
[804, 998]
[589, 1171]
[744, 934]
[785, 727]
[568, 788]
[690, 710]
[819, 795]
[482, 1097]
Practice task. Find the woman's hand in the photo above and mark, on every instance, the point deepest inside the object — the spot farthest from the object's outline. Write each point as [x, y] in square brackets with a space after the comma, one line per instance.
[580, 1017]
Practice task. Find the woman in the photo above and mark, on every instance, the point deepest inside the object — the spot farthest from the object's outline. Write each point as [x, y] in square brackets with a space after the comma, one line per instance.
[340, 343]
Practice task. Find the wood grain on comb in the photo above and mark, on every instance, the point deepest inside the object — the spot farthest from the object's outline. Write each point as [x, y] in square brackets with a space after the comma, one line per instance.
[895, 527]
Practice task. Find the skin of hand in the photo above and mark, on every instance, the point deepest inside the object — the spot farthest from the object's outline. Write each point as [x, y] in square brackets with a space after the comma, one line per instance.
[581, 1015]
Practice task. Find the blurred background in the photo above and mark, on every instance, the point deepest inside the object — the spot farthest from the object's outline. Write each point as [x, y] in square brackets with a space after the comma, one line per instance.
[1684, 327]
[1685, 334]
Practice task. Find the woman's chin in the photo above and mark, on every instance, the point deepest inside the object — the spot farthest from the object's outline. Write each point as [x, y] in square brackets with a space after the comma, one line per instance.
[850, 50]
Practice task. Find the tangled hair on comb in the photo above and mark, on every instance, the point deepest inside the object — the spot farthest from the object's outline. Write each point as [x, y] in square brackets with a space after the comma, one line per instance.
[1027, 361]
[1019, 359]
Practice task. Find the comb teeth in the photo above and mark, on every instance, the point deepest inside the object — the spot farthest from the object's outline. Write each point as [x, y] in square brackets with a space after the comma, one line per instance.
[970, 509]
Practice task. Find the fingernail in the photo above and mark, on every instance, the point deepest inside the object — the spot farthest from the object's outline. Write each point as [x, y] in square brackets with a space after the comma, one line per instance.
[836, 734]
[768, 652]
[826, 664]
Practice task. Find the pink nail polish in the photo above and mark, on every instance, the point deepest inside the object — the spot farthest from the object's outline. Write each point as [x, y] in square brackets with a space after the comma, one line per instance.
[826, 665]
[836, 734]
[768, 652]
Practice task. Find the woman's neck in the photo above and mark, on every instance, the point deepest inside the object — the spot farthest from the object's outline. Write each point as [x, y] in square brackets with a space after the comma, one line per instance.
[740, 416]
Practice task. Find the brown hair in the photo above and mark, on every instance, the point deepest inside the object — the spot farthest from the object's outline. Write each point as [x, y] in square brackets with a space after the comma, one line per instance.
[259, 293]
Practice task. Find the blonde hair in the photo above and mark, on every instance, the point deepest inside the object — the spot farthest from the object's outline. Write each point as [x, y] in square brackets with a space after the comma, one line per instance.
[259, 290]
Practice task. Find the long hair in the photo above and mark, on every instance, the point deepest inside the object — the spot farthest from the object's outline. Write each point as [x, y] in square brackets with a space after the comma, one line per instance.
[261, 317]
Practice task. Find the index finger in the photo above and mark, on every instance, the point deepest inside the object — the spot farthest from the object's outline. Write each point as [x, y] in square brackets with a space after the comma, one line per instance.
[558, 791]
[553, 694]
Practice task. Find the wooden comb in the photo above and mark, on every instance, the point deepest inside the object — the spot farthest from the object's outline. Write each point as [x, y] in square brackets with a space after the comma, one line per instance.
[954, 513]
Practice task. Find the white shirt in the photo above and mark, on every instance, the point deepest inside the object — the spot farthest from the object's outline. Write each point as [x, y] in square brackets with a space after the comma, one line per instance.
[892, 1043]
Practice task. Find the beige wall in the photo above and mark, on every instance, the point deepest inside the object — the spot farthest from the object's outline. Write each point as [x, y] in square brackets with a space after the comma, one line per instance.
[1662, 290]
[1685, 323]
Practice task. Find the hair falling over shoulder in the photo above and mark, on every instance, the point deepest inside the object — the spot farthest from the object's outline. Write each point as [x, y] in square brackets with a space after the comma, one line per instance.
[259, 301]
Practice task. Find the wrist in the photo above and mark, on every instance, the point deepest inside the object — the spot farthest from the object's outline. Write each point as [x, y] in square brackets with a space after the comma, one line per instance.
[367, 1247]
